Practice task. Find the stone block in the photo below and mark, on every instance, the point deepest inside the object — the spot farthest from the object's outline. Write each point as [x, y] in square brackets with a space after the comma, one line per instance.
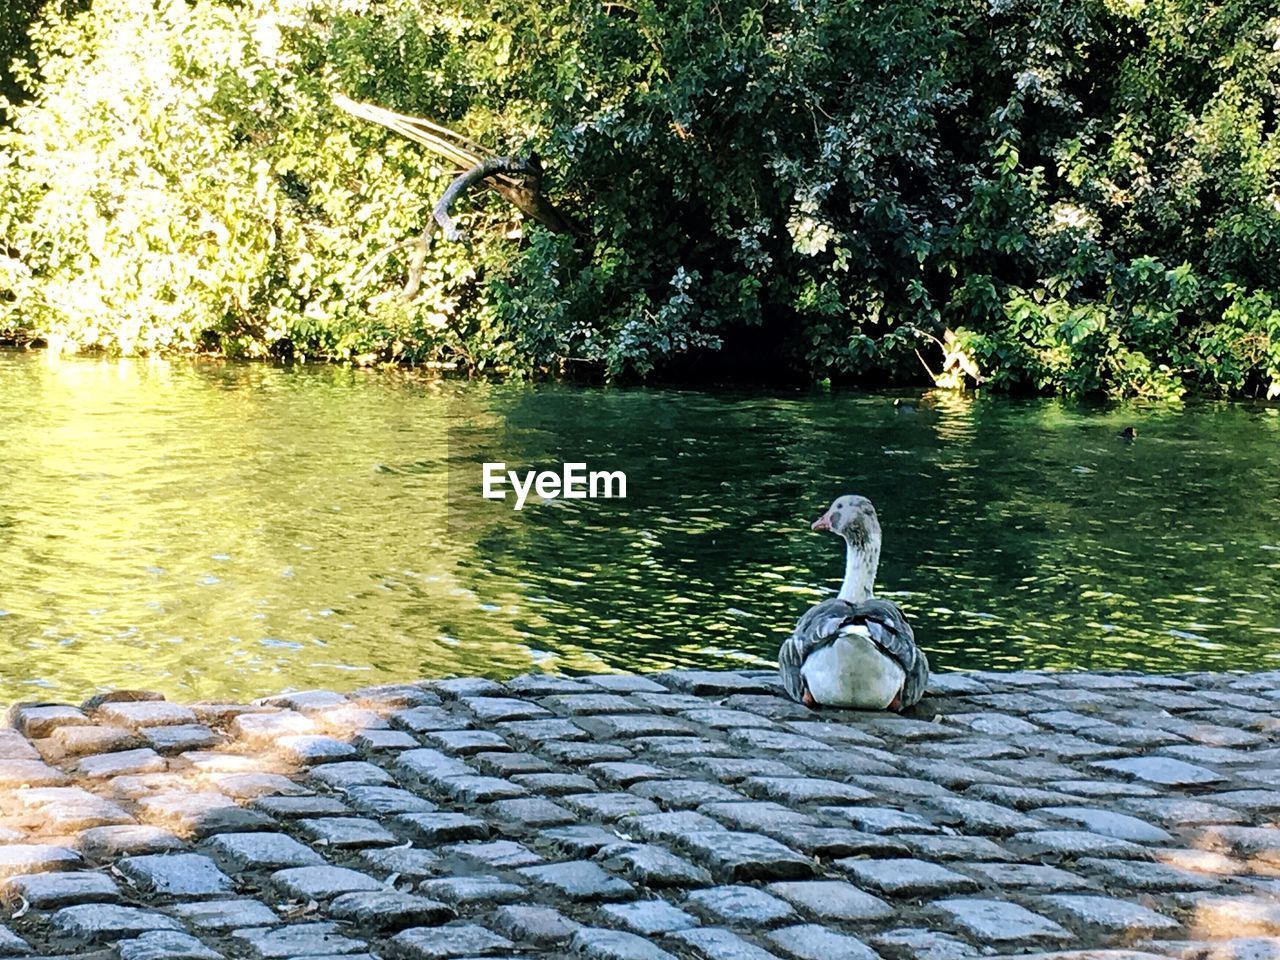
[345, 774]
[1077, 843]
[321, 882]
[21, 858]
[341, 832]
[540, 926]
[529, 812]
[652, 866]
[1107, 913]
[385, 910]
[648, 917]
[217, 916]
[1000, 921]
[469, 891]
[105, 843]
[906, 877]
[105, 922]
[832, 900]
[810, 941]
[120, 763]
[45, 891]
[260, 851]
[436, 828]
[610, 806]
[1109, 824]
[735, 857]
[387, 800]
[596, 943]
[297, 940]
[176, 875]
[146, 713]
[307, 749]
[29, 773]
[498, 854]
[579, 880]
[714, 943]
[180, 737]
[38, 721]
[1166, 771]
[740, 906]
[165, 945]
[443, 943]
[76, 741]
[291, 808]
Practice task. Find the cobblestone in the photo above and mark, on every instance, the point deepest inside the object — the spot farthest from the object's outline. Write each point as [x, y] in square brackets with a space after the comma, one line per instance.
[653, 866]
[811, 941]
[540, 926]
[832, 900]
[389, 910]
[907, 878]
[463, 891]
[19, 858]
[1109, 823]
[346, 832]
[579, 880]
[1115, 916]
[220, 915]
[96, 922]
[177, 875]
[648, 917]
[714, 943]
[596, 943]
[299, 940]
[427, 943]
[322, 882]
[998, 921]
[165, 945]
[46, 890]
[690, 814]
[103, 843]
[740, 906]
[260, 851]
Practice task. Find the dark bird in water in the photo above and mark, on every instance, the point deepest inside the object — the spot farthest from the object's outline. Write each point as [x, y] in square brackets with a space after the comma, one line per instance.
[854, 650]
[1128, 433]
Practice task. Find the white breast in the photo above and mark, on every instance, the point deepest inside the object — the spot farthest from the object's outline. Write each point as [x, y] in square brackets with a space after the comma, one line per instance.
[853, 672]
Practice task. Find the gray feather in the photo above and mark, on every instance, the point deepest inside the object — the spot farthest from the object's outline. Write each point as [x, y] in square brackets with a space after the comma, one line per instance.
[884, 623]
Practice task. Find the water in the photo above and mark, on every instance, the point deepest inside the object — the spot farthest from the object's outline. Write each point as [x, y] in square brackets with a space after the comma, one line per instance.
[229, 531]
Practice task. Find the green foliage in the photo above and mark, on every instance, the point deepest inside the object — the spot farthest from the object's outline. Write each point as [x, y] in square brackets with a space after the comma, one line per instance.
[1086, 194]
[15, 17]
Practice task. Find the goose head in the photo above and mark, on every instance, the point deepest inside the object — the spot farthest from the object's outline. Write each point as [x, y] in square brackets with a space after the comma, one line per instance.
[853, 519]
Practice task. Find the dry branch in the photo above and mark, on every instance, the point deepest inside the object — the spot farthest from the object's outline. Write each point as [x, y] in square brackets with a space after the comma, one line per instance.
[443, 211]
[517, 179]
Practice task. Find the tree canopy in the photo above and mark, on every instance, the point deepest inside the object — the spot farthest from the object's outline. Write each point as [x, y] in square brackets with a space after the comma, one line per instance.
[1078, 196]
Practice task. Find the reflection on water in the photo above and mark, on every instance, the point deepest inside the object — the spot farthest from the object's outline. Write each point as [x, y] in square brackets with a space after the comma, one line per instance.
[213, 530]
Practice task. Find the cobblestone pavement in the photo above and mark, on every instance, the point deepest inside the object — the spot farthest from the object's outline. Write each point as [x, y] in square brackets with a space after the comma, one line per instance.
[681, 814]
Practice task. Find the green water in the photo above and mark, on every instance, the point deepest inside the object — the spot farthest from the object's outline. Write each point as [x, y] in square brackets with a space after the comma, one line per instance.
[214, 531]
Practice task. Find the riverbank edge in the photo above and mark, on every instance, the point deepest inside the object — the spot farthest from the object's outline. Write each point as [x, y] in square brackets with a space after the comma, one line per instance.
[676, 814]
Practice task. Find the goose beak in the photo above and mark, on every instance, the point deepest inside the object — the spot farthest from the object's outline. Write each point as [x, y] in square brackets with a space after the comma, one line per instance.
[822, 523]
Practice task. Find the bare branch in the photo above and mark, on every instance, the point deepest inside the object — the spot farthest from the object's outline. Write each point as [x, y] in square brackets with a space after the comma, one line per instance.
[517, 179]
[442, 213]
[422, 246]
[381, 255]
[447, 144]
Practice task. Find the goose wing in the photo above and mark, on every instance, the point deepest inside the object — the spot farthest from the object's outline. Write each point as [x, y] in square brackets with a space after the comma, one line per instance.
[817, 628]
[889, 631]
[883, 623]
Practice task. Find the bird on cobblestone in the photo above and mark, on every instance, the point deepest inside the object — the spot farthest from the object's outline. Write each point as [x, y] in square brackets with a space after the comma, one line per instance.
[854, 650]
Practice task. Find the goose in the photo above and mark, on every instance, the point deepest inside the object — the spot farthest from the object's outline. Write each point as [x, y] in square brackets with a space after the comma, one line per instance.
[854, 650]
